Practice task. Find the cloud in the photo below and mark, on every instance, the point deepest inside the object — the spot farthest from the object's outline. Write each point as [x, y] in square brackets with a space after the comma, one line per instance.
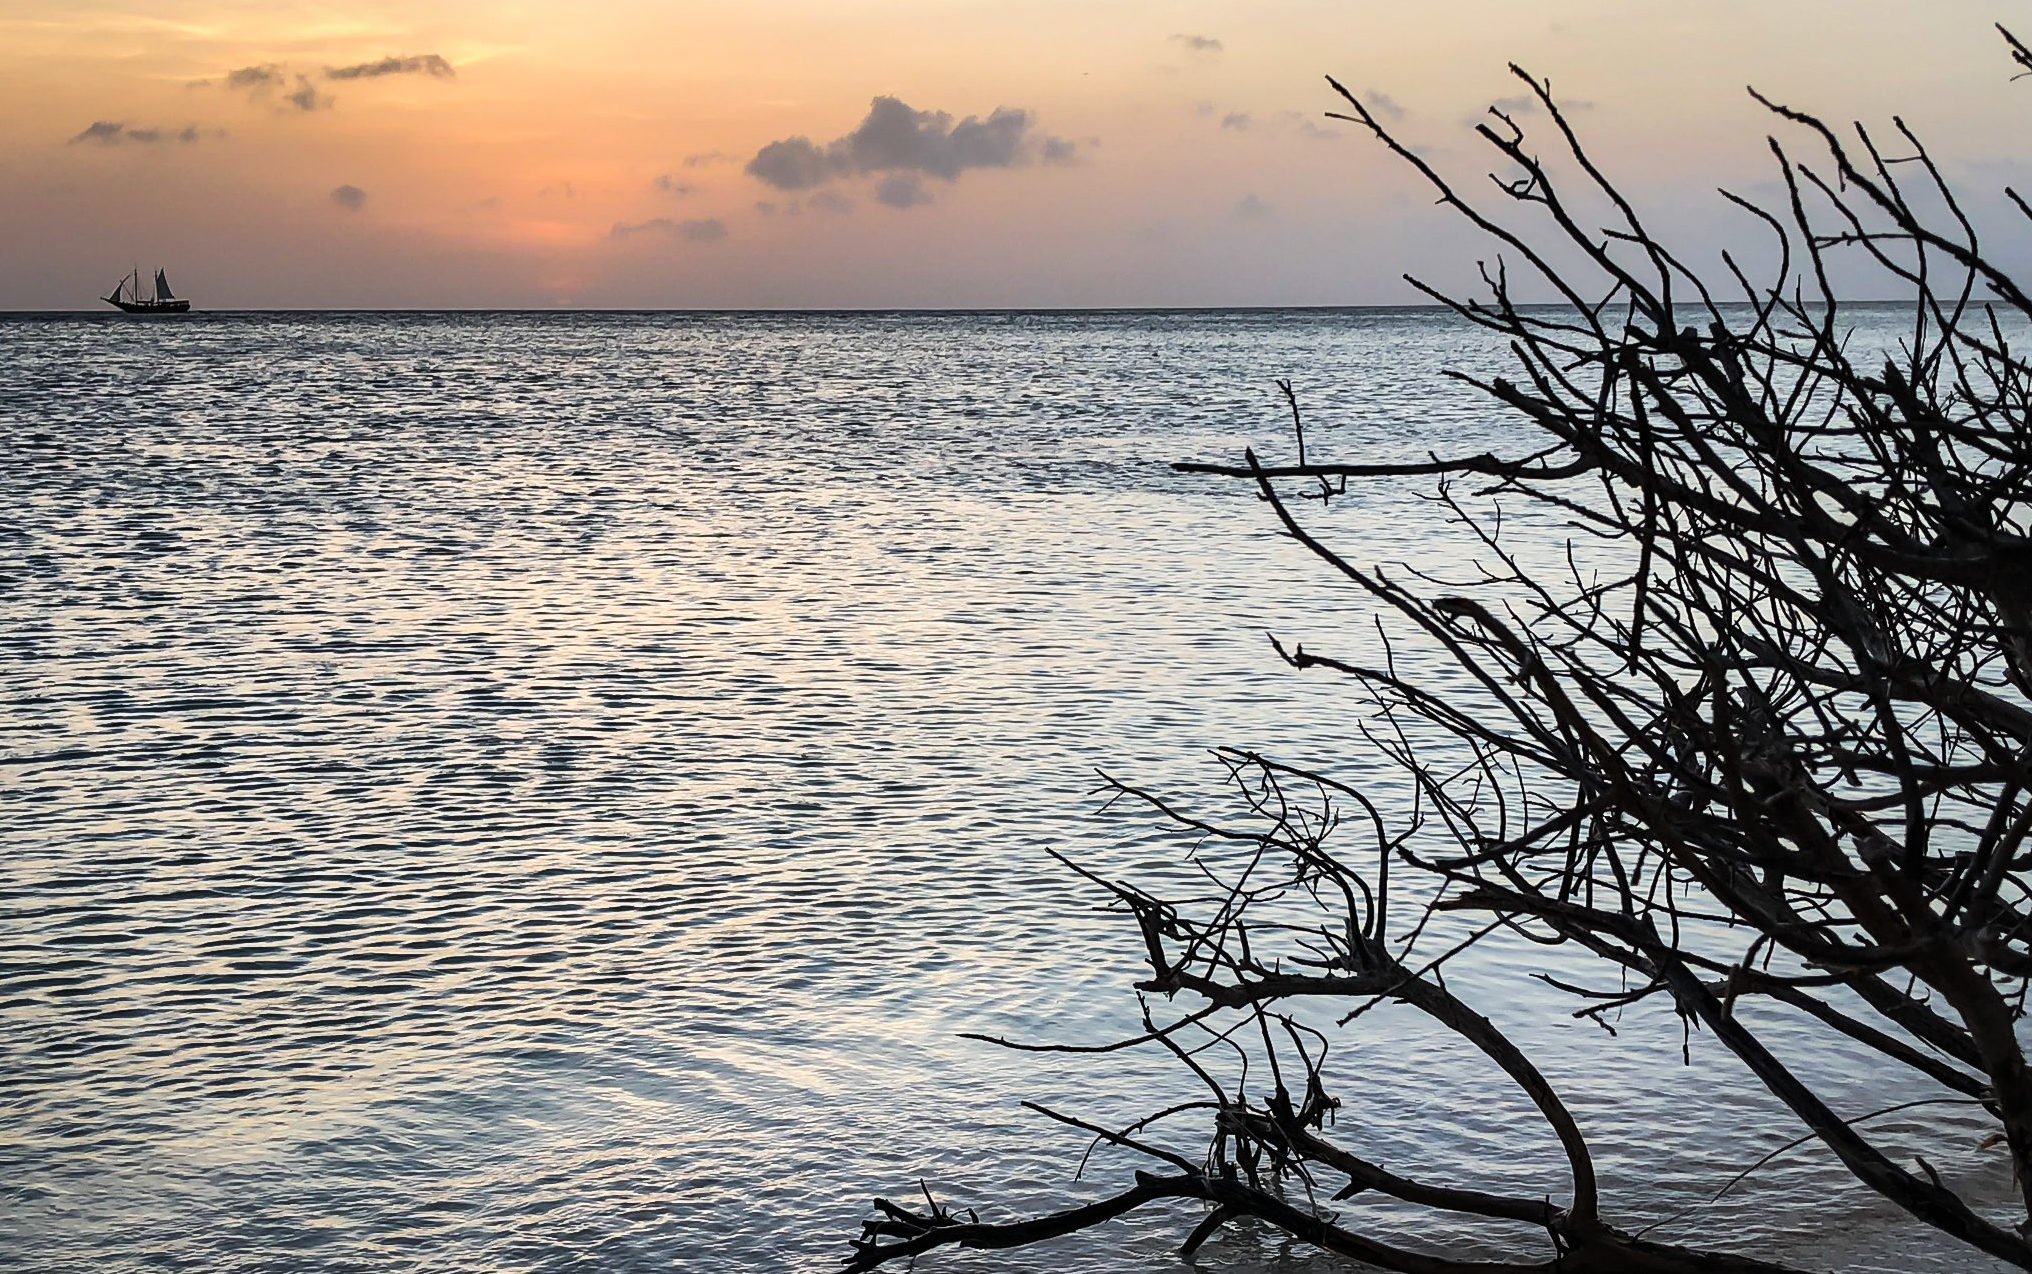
[416, 64]
[1383, 104]
[267, 75]
[1058, 150]
[902, 190]
[1241, 121]
[671, 186]
[351, 198]
[263, 79]
[1525, 105]
[113, 133]
[706, 158]
[894, 138]
[897, 137]
[1251, 208]
[795, 163]
[267, 81]
[1205, 45]
[305, 97]
[766, 208]
[829, 201]
[709, 230]
[1304, 126]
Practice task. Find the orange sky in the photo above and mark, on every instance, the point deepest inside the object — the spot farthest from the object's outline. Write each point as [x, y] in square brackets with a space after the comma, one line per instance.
[470, 153]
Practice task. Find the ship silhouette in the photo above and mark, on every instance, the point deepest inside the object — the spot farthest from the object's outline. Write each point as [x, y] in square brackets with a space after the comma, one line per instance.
[127, 296]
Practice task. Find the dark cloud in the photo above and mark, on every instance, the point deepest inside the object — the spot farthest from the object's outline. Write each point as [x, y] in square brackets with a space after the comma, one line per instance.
[894, 138]
[709, 230]
[829, 201]
[1204, 44]
[1237, 120]
[305, 97]
[292, 90]
[1383, 104]
[671, 186]
[416, 64]
[708, 157]
[262, 81]
[1058, 150]
[112, 133]
[902, 190]
[267, 75]
[795, 163]
[897, 137]
[351, 198]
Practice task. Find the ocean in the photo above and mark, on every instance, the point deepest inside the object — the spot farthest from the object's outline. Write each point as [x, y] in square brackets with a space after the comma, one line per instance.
[548, 791]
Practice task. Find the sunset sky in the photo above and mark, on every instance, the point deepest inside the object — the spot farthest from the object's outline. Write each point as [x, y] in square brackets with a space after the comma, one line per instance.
[799, 153]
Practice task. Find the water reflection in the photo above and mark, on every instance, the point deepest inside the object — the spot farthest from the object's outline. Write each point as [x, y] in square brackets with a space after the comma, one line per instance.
[541, 792]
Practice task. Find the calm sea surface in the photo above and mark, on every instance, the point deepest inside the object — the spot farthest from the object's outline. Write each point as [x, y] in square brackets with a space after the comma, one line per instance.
[545, 792]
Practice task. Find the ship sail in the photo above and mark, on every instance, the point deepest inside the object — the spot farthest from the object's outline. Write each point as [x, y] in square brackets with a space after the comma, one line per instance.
[127, 296]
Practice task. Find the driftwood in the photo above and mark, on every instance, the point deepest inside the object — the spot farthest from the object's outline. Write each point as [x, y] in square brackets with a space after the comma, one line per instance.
[1783, 754]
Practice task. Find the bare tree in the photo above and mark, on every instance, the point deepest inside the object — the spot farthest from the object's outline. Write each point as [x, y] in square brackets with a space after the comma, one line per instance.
[1783, 755]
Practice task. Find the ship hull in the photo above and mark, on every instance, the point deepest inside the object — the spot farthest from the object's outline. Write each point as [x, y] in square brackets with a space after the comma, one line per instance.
[151, 307]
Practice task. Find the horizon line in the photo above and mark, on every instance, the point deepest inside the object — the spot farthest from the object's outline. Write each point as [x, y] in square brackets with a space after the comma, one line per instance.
[843, 310]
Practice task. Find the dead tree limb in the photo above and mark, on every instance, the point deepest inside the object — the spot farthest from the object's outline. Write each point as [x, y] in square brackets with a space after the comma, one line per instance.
[1772, 746]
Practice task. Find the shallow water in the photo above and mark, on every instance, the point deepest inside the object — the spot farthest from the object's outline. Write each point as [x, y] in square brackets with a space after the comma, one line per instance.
[541, 792]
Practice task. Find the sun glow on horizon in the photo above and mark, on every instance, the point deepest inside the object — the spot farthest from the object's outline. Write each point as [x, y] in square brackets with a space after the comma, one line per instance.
[478, 153]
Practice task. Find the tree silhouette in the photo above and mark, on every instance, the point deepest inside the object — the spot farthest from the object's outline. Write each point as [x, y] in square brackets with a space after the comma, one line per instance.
[1782, 755]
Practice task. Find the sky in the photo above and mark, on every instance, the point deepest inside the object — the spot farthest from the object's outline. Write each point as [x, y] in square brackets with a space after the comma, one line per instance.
[898, 153]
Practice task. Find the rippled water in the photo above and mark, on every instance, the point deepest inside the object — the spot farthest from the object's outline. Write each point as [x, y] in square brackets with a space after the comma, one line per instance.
[543, 792]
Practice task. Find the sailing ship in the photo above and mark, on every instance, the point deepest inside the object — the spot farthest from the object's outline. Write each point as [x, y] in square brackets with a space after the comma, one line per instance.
[127, 296]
